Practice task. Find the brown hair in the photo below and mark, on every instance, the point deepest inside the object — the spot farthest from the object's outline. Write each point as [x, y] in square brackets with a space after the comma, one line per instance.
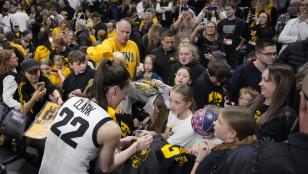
[187, 93]
[5, 55]
[283, 77]
[160, 123]
[76, 56]
[242, 122]
[154, 36]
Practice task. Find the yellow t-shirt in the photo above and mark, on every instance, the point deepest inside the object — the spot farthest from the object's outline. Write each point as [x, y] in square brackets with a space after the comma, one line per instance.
[56, 79]
[41, 52]
[109, 46]
[19, 48]
[111, 33]
[92, 38]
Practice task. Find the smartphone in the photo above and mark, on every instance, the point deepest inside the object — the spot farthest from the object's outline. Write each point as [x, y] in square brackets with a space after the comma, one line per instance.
[211, 8]
[41, 85]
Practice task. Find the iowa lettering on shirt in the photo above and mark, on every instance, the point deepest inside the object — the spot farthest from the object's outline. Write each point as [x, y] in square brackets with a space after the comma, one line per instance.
[129, 57]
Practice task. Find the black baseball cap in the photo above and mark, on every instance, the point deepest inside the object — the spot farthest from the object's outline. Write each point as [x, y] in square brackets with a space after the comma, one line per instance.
[29, 65]
[96, 14]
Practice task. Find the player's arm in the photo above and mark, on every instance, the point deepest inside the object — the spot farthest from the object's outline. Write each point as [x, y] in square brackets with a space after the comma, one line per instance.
[108, 135]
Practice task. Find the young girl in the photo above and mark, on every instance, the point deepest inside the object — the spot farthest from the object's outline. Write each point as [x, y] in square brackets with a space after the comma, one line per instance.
[59, 71]
[179, 130]
[158, 119]
[183, 76]
[247, 94]
[45, 67]
[148, 73]
[235, 126]
[188, 56]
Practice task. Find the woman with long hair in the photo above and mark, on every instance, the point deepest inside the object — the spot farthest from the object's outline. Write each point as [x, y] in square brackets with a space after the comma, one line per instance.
[272, 108]
[9, 79]
[263, 27]
[153, 38]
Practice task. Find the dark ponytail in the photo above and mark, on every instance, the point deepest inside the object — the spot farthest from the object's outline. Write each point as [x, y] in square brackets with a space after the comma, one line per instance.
[108, 74]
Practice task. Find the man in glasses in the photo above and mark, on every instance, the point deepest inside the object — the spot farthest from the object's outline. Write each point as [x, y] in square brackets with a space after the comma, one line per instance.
[249, 74]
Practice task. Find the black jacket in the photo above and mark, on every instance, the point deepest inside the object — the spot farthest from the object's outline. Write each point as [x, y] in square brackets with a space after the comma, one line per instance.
[165, 59]
[295, 54]
[279, 128]
[80, 81]
[282, 158]
[196, 68]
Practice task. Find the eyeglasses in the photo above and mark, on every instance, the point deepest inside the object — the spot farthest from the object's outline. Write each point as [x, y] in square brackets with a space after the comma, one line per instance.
[269, 54]
[33, 72]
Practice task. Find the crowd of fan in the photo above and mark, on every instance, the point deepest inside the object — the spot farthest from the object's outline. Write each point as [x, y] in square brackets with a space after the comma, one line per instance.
[231, 55]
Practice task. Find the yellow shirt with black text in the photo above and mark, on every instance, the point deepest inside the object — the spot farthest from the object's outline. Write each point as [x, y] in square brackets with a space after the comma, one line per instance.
[109, 46]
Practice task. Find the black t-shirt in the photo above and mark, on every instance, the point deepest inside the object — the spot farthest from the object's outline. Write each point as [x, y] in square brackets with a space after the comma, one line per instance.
[232, 29]
[207, 93]
[264, 33]
[205, 46]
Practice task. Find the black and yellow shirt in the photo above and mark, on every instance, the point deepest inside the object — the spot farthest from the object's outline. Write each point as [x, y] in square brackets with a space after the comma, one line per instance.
[26, 90]
[124, 121]
[161, 158]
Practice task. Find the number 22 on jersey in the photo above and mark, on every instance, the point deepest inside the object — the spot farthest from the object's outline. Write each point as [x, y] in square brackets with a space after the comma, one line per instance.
[68, 118]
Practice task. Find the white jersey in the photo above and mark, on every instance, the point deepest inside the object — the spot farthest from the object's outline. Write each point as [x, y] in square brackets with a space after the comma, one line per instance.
[71, 143]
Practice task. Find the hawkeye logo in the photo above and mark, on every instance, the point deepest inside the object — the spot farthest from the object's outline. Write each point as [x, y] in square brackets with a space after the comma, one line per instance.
[178, 153]
[139, 157]
[215, 98]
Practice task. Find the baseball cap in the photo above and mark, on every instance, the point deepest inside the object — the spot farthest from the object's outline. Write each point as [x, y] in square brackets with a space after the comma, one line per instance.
[15, 25]
[28, 65]
[96, 14]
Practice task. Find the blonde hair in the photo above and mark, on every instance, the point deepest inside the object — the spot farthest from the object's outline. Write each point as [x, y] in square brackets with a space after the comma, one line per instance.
[193, 49]
[250, 91]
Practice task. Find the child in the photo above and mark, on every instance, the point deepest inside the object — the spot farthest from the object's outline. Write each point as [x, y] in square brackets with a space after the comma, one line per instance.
[158, 119]
[147, 73]
[234, 126]
[59, 71]
[179, 130]
[213, 83]
[46, 67]
[80, 74]
[246, 95]
[183, 76]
